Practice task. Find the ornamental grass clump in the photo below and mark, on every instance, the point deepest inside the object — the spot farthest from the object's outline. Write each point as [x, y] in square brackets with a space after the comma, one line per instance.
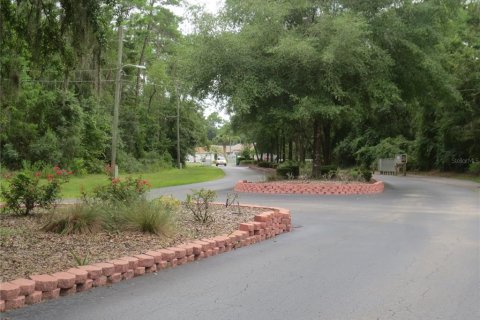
[76, 219]
[146, 217]
[116, 207]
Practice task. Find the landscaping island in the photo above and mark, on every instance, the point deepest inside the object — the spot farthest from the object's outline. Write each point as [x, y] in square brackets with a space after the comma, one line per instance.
[124, 255]
[310, 187]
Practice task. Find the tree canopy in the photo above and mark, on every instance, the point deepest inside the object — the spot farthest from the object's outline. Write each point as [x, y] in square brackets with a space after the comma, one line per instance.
[338, 81]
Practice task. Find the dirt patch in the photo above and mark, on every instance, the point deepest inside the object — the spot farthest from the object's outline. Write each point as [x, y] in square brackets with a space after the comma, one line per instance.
[26, 250]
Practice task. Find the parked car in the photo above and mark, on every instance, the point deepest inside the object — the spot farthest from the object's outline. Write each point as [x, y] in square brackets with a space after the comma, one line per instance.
[221, 162]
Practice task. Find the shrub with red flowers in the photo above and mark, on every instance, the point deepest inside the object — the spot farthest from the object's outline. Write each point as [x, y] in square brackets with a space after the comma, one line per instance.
[122, 191]
[26, 191]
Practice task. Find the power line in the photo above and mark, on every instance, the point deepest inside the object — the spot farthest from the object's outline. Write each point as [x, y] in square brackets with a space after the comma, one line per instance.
[85, 81]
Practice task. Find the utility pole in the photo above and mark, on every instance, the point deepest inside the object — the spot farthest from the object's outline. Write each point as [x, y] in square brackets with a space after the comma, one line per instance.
[179, 163]
[118, 87]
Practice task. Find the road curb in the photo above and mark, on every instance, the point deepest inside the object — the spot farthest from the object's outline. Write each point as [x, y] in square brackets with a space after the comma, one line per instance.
[310, 188]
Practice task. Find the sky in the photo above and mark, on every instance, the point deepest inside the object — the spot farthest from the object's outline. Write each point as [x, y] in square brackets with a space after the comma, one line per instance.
[211, 6]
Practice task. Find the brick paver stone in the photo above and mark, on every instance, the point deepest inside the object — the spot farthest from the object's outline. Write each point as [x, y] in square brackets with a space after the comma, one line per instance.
[27, 286]
[34, 297]
[9, 291]
[44, 282]
[107, 268]
[65, 280]
[80, 275]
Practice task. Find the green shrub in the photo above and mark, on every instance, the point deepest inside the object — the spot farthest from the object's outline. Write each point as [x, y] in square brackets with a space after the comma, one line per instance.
[168, 202]
[246, 162]
[25, 192]
[474, 168]
[76, 219]
[79, 167]
[128, 163]
[288, 170]
[125, 191]
[264, 164]
[328, 169]
[366, 174]
[247, 153]
[199, 204]
[147, 217]
[94, 166]
[354, 174]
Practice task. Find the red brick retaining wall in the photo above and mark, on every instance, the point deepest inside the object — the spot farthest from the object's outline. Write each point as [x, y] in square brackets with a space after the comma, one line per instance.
[17, 293]
[309, 188]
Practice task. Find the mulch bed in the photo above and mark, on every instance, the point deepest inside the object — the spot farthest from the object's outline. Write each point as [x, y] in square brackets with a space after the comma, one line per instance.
[25, 249]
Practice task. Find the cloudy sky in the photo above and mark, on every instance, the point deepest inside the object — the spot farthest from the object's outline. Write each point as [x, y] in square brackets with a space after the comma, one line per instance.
[211, 6]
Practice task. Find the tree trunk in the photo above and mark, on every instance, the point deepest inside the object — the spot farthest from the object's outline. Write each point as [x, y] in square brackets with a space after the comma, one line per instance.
[284, 148]
[144, 46]
[326, 143]
[317, 146]
[256, 151]
[301, 150]
[98, 57]
[290, 149]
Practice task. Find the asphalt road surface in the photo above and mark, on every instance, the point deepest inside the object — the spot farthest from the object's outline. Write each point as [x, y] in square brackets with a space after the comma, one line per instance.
[412, 252]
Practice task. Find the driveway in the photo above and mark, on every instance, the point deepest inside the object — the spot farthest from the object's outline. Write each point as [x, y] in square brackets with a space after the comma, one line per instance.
[412, 252]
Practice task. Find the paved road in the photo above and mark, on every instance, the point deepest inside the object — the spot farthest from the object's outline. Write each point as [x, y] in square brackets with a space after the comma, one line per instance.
[409, 253]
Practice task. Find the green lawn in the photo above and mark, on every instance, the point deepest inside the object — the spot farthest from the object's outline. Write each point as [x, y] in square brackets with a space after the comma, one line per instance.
[163, 178]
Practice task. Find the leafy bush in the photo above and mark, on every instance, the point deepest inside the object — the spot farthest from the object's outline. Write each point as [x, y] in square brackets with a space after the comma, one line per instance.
[199, 204]
[386, 148]
[354, 174]
[79, 167]
[147, 217]
[288, 169]
[240, 159]
[94, 166]
[358, 174]
[168, 202]
[474, 168]
[328, 169]
[247, 153]
[366, 174]
[75, 219]
[125, 191]
[264, 164]
[25, 192]
[246, 162]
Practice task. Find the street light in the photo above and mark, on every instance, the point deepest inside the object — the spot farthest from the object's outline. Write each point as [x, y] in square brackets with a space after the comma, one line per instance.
[118, 87]
[116, 107]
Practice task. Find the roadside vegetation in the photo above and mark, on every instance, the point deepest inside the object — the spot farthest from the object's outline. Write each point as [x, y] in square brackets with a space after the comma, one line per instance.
[114, 219]
[75, 185]
[340, 82]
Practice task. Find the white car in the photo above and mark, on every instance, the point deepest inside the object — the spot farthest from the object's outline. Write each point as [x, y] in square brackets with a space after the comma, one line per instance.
[221, 162]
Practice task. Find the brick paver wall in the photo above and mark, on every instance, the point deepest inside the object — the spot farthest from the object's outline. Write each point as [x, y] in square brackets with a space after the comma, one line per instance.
[310, 188]
[20, 292]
